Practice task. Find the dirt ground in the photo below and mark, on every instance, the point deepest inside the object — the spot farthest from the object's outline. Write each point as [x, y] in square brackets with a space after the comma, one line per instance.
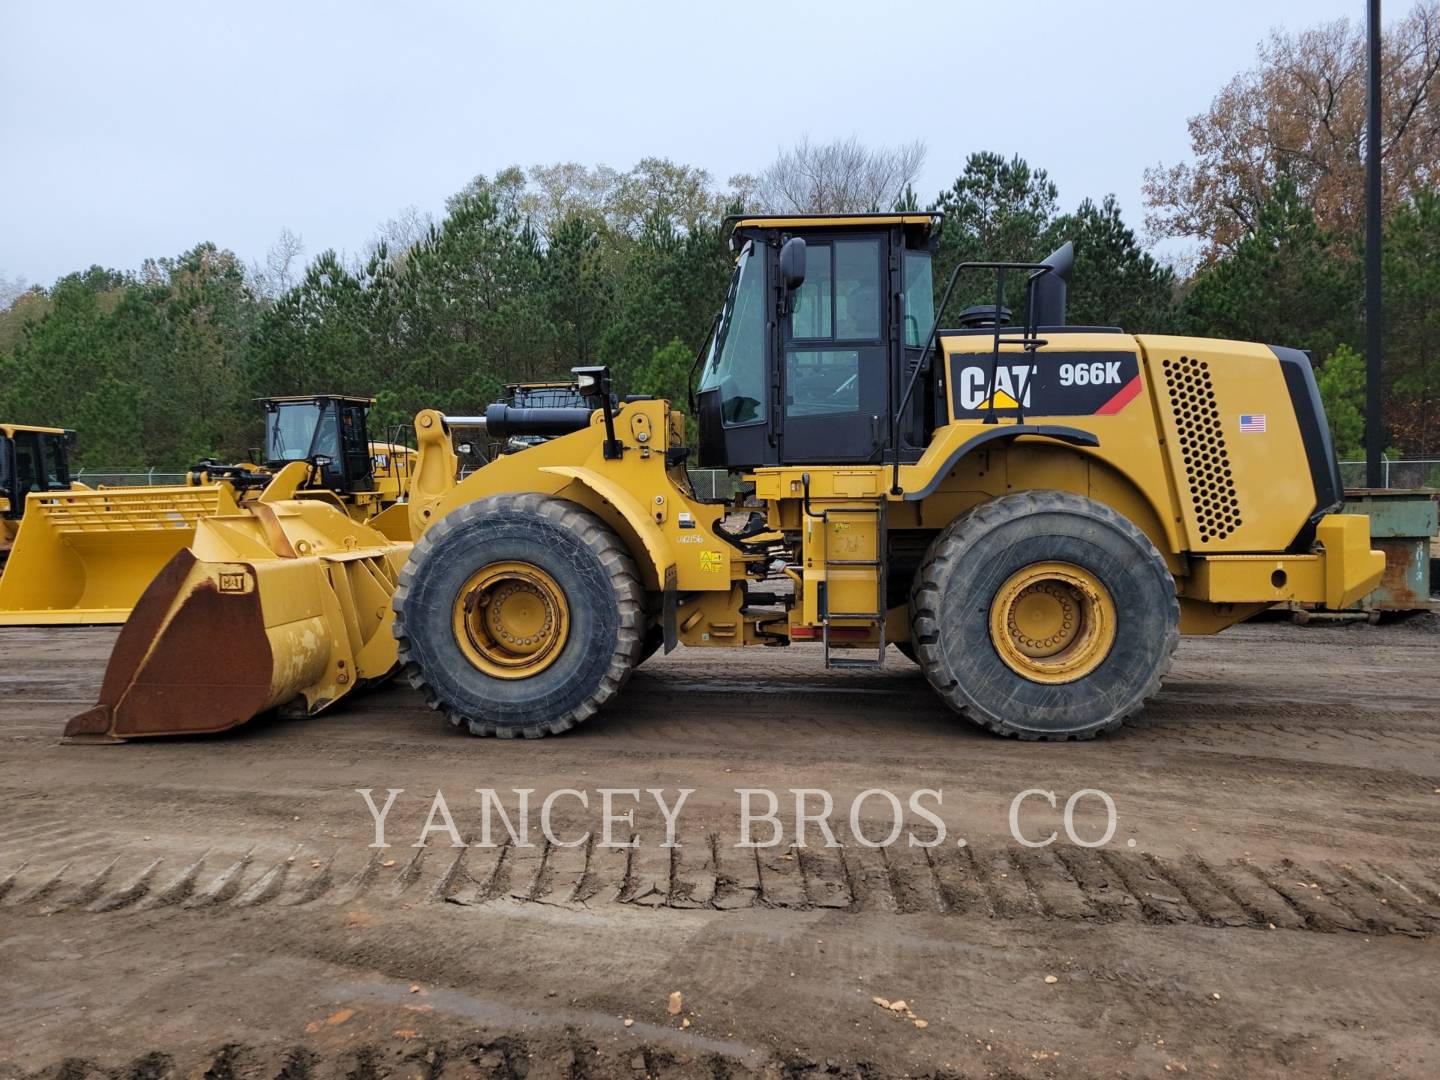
[1268, 905]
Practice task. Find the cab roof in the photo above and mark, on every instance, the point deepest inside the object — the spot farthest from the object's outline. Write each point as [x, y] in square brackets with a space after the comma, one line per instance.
[350, 398]
[924, 222]
[11, 429]
[814, 221]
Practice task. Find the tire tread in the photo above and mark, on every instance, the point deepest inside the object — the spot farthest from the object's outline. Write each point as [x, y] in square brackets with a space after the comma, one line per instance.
[624, 580]
[953, 544]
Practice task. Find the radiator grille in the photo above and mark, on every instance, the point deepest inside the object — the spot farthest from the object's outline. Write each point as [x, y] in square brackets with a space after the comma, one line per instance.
[1202, 447]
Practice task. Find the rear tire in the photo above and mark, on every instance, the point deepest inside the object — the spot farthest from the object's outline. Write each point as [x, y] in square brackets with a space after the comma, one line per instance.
[588, 583]
[1111, 597]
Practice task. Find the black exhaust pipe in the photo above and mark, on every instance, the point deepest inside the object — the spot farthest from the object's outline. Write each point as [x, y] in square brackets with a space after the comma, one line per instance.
[503, 421]
[1051, 287]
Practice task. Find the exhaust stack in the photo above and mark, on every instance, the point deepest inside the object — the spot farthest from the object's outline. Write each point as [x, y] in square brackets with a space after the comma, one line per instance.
[1050, 289]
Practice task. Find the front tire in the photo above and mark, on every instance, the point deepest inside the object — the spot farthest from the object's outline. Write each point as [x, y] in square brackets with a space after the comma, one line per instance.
[1044, 615]
[519, 615]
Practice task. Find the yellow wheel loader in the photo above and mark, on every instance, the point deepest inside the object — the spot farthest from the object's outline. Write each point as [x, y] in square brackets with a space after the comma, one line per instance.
[32, 459]
[86, 556]
[1031, 511]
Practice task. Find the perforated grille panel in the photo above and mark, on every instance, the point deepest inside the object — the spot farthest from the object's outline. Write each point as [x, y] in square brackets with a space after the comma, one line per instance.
[1202, 447]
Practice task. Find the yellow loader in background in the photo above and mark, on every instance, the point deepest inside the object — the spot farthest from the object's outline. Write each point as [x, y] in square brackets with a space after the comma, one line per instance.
[32, 459]
[85, 557]
[1033, 512]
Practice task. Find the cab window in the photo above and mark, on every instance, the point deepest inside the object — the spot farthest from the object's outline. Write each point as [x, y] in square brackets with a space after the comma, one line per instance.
[839, 304]
[919, 298]
[737, 357]
[29, 464]
[57, 474]
[291, 430]
[840, 299]
[814, 312]
[355, 443]
[820, 382]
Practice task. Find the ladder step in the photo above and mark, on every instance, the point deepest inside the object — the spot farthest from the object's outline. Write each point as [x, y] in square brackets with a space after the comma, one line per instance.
[853, 662]
[875, 510]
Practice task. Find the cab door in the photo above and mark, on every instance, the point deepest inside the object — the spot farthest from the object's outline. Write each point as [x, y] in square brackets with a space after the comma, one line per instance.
[834, 362]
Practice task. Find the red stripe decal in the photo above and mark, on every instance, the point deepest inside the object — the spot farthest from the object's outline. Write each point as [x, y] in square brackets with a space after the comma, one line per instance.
[1123, 397]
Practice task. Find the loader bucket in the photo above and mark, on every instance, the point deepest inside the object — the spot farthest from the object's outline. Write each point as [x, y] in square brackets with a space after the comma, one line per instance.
[86, 556]
[283, 604]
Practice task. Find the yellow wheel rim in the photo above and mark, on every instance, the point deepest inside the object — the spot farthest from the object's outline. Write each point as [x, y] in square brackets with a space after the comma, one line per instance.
[511, 620]
[1052, 622]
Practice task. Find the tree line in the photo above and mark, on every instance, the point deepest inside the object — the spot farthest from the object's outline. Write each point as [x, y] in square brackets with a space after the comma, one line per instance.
[529, 272]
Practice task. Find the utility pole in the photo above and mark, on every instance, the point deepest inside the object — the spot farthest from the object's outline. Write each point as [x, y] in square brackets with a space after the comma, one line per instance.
[1374, 418]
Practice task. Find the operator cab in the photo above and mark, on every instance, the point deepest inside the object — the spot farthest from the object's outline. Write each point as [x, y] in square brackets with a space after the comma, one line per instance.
[327, 430]
[32, 459]
[823, 321]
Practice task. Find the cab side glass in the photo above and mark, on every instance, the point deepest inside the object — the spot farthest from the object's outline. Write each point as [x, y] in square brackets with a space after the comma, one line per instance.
[29, 465]
[857, 290]
[57, 474]
[814, 314]
[737, 359]
[919, 298]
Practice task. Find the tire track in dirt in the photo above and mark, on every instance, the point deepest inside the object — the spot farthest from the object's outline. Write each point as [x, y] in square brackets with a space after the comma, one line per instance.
[1067, 884]
[570, 1053]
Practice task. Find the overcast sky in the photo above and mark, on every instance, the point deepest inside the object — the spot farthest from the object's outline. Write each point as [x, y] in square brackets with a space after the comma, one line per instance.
[139, 128]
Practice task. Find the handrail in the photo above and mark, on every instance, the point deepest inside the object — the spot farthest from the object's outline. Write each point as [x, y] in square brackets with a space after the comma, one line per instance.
[1028, 340]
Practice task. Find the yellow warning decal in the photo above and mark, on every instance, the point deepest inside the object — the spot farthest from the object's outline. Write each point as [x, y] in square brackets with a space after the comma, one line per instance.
[711, 562]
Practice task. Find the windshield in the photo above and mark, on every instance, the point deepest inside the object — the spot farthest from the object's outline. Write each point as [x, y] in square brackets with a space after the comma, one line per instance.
[736, 365]
[57, 471]
[290, 432]
[919, 298]
[557, 397]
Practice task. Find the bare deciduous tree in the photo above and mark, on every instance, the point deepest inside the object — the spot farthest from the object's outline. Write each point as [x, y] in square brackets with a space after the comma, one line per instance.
[1300, 114]
[842, 176]
[400, 233]
[11, 289]
[281, 261]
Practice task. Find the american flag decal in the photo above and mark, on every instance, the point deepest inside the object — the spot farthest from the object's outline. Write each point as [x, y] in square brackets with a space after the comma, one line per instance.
[1252, 422]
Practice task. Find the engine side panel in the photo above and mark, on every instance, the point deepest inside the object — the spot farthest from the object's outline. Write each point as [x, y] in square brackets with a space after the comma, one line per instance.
[1232, 443]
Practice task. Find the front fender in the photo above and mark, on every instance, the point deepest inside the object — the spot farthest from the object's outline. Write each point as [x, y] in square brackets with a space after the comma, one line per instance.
[657, 547]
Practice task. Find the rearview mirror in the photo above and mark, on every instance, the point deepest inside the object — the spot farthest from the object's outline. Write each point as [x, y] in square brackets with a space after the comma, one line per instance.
[592, 382]
[792, 263]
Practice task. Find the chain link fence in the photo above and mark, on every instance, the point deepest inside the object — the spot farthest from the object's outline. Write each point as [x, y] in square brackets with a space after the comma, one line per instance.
[713, 483]
[1395, 473]
[157, 475]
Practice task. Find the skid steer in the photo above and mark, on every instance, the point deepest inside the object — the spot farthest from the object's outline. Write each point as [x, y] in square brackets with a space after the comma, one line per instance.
[1032, 512]
[84, 557]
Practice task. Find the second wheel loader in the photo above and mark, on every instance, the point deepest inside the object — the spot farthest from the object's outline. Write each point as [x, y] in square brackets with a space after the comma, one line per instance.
[32, 459]
[84, 556]
[1033, 512]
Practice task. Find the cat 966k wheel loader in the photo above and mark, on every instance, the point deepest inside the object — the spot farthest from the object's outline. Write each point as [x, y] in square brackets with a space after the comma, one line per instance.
[1031, 511]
